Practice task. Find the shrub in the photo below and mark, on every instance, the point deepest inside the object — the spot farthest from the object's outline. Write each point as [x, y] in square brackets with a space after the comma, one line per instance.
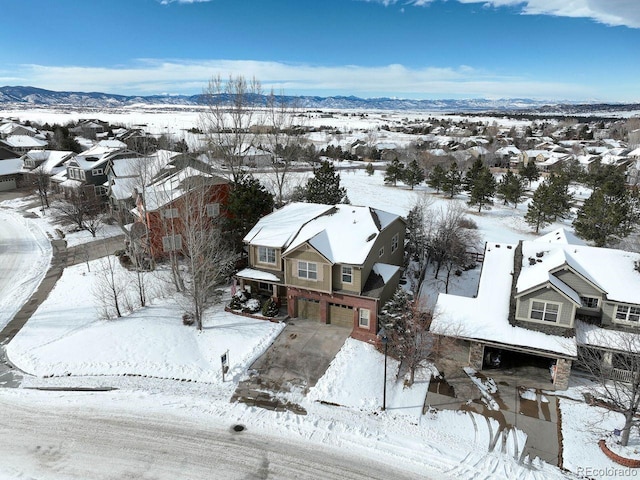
[270, 308]
[251, 306]
[188, 319]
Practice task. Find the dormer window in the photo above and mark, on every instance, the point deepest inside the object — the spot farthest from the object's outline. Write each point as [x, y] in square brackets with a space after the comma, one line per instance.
[589, 302]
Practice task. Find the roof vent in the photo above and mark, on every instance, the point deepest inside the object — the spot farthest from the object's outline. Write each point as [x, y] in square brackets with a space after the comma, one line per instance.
[532, 261]
[371, 237]
[539, 254]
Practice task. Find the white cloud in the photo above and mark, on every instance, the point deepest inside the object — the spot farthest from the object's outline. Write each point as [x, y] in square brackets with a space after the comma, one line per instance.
[609, 12]
[152, 76]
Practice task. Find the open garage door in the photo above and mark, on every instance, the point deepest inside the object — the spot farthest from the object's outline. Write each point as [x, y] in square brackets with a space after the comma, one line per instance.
[308, 308]
[341, 315]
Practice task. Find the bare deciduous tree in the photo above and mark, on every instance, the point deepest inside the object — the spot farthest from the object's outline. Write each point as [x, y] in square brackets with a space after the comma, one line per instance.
[616, 371]
[283, 140]
[229, 121]
[451, 240]
[109, 288]
[85, 212]
[42, 183]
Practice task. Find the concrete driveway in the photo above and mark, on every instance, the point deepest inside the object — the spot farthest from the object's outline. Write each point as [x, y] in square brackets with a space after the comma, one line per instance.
[524, 397]
[294, 362]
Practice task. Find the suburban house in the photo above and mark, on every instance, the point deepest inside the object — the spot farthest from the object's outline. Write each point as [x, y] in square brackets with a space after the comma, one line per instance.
[126, 177]
[542, 301]
[161, 209]
[11, 128]
[87, 171]
[23, 143]
[11, 174]
[50, 162]
[335, 264]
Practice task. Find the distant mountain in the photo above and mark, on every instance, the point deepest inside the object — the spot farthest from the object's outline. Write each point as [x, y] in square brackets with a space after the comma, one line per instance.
[40, 97]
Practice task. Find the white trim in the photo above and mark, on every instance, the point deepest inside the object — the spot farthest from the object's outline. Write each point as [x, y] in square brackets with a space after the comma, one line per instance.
[364, 314]
[544, 311]
[171, 243]
[395, 241]
[628, 314]
[349, 274]
[266, 257]
[306, 271]
[213, 209]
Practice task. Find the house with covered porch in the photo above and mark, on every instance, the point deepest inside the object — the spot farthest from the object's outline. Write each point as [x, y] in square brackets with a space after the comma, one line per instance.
[334, 264]
[546, 300]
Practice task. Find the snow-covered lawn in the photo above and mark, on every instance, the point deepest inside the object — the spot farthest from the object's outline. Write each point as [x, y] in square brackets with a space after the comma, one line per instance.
[67, 336]
[582, 427]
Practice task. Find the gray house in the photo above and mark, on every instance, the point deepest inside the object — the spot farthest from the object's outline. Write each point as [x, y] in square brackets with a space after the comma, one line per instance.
[546, 299]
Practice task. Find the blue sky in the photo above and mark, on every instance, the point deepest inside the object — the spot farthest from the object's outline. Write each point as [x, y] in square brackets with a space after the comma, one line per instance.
[431, 49]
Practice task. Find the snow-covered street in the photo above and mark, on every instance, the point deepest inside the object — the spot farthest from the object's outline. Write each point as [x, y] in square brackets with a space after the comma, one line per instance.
[25, 253]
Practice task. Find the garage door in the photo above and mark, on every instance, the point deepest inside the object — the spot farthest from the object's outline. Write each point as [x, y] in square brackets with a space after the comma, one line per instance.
[7, 183]
[308, 308]
[341, 315]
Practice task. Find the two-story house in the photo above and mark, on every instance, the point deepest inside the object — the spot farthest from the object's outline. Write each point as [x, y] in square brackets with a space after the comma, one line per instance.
[546, 299]
[88, 170]
[165, 205]
[335, 264]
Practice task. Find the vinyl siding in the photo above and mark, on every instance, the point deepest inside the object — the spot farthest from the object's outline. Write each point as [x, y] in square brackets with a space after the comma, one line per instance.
[582, 287]
[523, 306]
[307, 254]
[355, 286]
[253, 260]
[384, 239]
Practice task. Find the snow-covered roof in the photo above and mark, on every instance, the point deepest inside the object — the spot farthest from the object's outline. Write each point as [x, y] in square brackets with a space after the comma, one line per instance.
[9, 127]
[112, 144]
[634, 153]
[345, 234]
[253, 274]
[10, 166]
[385, 270]
[52, 160]
[609, 270]
[508, 150]
[588, 334]
[486, 317]
[560, 235]
[24, 141]
[342, 234]
[278, 229]
[167, 189]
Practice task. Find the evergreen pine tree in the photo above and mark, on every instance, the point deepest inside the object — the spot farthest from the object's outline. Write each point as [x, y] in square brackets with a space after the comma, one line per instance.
[248, 201]
[530, 172]
[472, 174]
[324, 186]
[511, 188]
[452, 183]
[608, 215]
[369, 169]
[394, 172]
[483, 189]
[561, 199]
[539, 210]
[436, 178]
[413, 174]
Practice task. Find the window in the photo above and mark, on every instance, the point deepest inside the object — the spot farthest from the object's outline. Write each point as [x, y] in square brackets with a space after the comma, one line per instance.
[347, 275]
[213, 209]
[97, 171]
[307, 270]
[170, 213]
[394, 243]
[381, 252]
[82, 175]
[627, 313]
[266, 255]
[171, 242]
[589, 302]
[100, 190]
[545, 311]
[363, 318]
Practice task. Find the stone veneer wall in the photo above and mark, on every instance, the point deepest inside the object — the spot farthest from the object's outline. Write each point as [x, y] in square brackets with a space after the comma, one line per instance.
[563, 371]
[476, 355]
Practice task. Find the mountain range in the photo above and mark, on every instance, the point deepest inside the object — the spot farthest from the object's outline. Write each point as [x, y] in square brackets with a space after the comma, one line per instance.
[19, 95]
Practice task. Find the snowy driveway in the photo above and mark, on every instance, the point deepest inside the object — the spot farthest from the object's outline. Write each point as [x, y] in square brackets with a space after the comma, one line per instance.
[25, 254]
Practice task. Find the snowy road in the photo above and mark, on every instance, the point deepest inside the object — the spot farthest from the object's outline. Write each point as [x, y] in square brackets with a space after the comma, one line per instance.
[79, 442]
[25, 253]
